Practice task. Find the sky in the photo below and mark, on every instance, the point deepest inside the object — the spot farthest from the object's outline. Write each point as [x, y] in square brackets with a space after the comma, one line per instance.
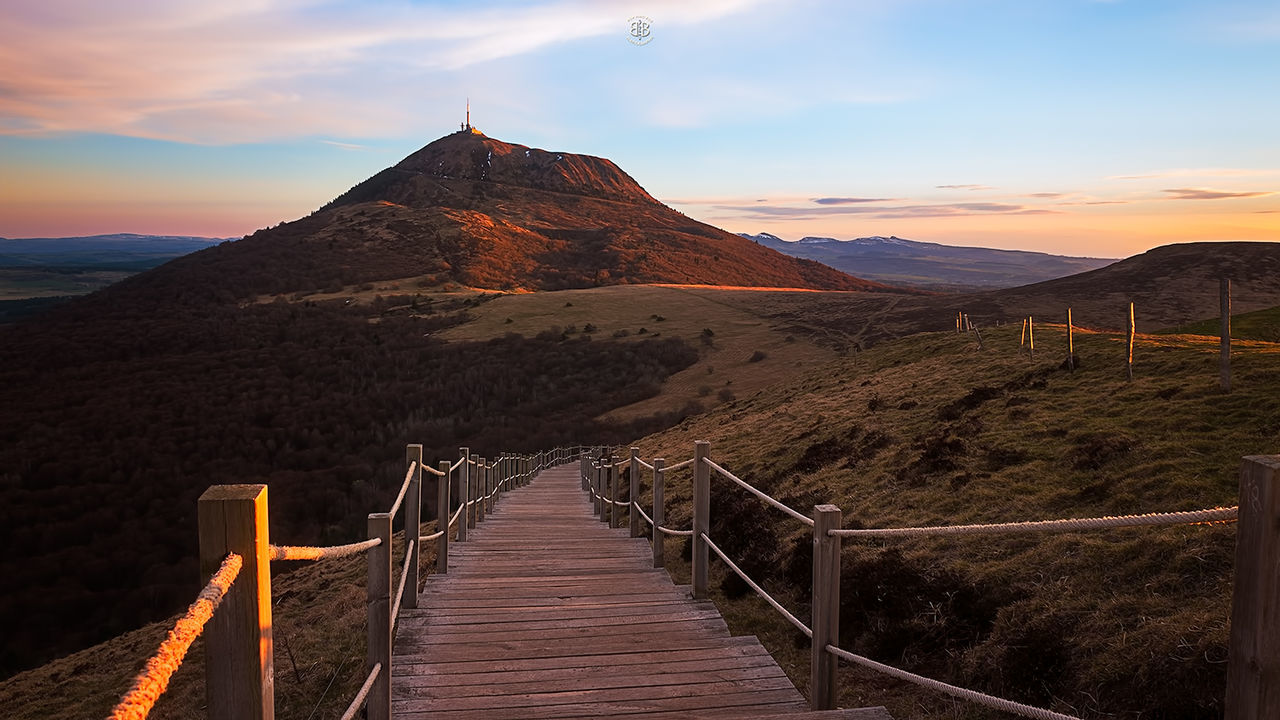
[1077, 127]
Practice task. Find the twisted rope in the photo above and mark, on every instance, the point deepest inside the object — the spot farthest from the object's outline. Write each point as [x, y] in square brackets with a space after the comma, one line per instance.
[433, 536]
[971, 695]
[677, 466]
[404, 578]
[456, 513]
[151, 683]
[455, 465]
[433, 471]
[645, 464]
[1174, 518]
[404, 487]
[746, 486]
[358, 702]
[759, 590]
[643, 514]
[680, 533]
[305, 552]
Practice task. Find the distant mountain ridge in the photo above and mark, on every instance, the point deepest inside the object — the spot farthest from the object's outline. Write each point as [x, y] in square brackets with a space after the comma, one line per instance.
[112, 249]
[931, 266]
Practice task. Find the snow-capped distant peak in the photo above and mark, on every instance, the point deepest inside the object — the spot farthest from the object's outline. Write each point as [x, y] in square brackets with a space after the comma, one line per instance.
[811, 239]
[881, 240]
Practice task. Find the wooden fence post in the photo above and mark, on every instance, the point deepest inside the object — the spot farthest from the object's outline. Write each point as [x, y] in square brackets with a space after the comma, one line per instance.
[474, 493]
[443, 501]
[378, 598]
[701, 516]
[482, 488]
[1224, 363]
[1031, 337]
[1022, 340]
[601, 510]
[1132, 330]
[464, 478]
[659, 540]
[239, 676]
[826, 608]
[634, 492]
[413, 525]
[1253, 675]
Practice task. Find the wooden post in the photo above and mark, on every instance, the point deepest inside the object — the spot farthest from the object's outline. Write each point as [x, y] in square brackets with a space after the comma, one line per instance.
[615, 479]
[464, 493]
[701, 516]
[482, 488]
[958, 313]
[1224, 303]
[1031, 337]
[378, 598]
[1071, 343]
[659, 540]
[239, 676]
[634, 494]
[1253, 675]
[413, 524]
[443, 501]
[601, 510]
[826, 608]
[1022, 340]
[1132, 330]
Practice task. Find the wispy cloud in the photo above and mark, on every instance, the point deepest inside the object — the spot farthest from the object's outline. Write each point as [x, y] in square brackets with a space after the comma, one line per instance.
[1198, 172]
[964, 187]
[344, 145]
[887, 211]
[1206, 194]
[1046, 195]
[847, 200]
[238, 70]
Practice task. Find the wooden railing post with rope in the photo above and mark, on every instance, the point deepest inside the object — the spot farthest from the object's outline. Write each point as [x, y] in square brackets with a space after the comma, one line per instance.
[464, 494]
[659, 513]
[633, 475]
[1253, 675]
[443, 504]
[825, 613]
[413, 519]
[378, 598]
[239, 681]
[701, 516]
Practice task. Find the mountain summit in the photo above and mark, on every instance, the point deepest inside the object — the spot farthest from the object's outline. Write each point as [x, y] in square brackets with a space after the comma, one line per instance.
[480, 212]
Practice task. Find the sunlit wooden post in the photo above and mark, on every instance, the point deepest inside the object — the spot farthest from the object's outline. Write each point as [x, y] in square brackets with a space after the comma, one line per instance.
[1253, 675]
[659, 515]
[413, 523]
[378, 598]
[239, 676]
[1224, 363]
[634, 492]
[958, 314]
[826, 608]
[1132, 330]
[464, 494]
[443, 501]
[1022, 340]
[701, 516]
[1031, 337]
[1071, 343]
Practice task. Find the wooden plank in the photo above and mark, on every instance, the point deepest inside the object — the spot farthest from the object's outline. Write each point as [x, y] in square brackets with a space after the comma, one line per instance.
[413, 675]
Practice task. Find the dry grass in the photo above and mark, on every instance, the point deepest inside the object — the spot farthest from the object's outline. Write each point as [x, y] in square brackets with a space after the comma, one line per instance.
[932, 430]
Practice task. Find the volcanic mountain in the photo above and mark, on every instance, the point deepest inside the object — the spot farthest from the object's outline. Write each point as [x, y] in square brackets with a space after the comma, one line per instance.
[481, 212]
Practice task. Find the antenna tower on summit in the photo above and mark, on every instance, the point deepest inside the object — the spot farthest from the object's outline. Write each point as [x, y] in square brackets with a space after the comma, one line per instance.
[465, 127]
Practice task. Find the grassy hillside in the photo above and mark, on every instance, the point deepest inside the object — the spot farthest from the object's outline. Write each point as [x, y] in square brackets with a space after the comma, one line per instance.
[932, 430]
[1257, 325]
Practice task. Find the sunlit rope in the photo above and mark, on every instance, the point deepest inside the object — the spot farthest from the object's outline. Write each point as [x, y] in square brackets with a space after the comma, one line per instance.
[151, 683]
[433, 471]
[971, 695]
[358, 702]
[759, 590]
[643, 514]
[749, 488]
[404, 487]
[433, 536]
[304, 552]
[677, 466]
[645, 464]
[456, 513]
[1173, 518]
[680, 533]
[404, 579]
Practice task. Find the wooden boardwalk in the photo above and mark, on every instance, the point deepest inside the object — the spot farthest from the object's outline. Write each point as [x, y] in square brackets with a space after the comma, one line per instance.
[548, 613]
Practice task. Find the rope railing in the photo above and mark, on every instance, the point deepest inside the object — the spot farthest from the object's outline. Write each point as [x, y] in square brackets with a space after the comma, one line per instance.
[1218, 514]
[457, 464]
[404, 576]
[973, 696]
[151, 683]
[434, 471]
[755, 491]
[642, 513]
[359, 700]
[456, 514]
[679, 533]
[404, 488]
[644, 464]
[759, 590]
[433, 536]
[679, 465]
[306, 552]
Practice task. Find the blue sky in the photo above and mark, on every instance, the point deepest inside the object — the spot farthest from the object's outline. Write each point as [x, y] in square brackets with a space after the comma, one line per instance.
[1069, 126]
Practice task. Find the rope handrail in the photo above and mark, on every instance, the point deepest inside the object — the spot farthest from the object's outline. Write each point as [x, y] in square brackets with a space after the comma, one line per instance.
[965, 694]
[404, 579]
[307, 552]
[433, 536]
[151, 683]
[751, 489]
[455, 465]
[433, 471]
[669, 531]
[456, 513]
[358, 702]
[679, 465]
[759, 590]
[1219, 514]
[643, 514]
[644, 464]
[404, 488]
